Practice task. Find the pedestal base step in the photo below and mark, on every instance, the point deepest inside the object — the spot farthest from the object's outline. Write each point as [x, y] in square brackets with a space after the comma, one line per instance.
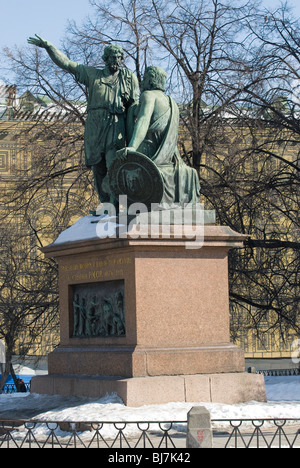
[138, 391]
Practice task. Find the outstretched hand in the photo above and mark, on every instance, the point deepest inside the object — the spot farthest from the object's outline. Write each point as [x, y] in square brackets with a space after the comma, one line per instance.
[37, 41]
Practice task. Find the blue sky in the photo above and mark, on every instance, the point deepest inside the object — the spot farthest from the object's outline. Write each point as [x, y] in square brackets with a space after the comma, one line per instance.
[48, 18]
[21, 19]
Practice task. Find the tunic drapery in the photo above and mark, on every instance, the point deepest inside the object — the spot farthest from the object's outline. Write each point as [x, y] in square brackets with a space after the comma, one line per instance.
[181, 182]
[108, 103]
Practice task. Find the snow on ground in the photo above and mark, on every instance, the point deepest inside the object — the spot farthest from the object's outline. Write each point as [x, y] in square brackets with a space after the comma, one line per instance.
[285, 388]
[283, 395]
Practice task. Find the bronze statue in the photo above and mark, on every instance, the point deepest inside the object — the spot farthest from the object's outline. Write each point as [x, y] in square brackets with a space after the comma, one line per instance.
[138, 160]
[112, 92]
[155, 136]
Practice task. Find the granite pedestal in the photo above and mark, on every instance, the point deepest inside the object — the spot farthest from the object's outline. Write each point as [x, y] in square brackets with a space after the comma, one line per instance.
[173, 343]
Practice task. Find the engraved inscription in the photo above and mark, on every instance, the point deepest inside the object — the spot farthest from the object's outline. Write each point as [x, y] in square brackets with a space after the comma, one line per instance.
[98, 309]
[98, 269]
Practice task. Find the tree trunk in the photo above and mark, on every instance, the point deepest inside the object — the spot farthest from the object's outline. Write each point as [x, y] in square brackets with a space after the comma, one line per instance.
[7, 368]
[14, 377]
[4, 375]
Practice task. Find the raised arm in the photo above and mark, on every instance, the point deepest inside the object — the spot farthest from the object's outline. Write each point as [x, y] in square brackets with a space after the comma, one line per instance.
[56, 55]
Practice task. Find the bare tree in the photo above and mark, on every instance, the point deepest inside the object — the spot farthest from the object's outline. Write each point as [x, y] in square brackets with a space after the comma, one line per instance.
[271, 276]
[123, 22]
[28, 294]
[205, 48]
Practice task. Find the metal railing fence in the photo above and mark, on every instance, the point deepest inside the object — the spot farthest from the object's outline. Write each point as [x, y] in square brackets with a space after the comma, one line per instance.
[233, 433]
[108, 434]
[278, 372]
[256, 433]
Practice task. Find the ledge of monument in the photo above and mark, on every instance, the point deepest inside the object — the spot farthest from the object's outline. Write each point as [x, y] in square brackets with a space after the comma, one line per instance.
[85, 234]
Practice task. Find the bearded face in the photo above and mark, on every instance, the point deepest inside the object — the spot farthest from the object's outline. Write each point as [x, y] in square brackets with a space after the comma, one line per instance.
[114, 62]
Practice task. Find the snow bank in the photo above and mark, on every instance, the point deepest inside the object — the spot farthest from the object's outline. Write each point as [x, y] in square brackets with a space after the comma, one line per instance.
[283, 388]
[283, 395]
